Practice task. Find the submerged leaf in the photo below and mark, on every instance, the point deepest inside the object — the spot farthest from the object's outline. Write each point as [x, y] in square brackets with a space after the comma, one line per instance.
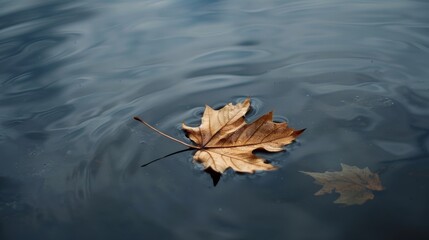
[224, 139]
[352, 183]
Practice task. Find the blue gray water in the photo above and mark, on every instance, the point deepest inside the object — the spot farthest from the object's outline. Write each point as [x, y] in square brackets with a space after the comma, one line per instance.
[74, 73]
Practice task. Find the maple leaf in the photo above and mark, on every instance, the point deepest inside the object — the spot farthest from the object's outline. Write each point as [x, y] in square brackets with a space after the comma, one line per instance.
[224, 139]
[352, 183]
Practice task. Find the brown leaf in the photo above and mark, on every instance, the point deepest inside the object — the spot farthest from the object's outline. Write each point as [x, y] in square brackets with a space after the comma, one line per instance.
[224, 139]
[352, 183]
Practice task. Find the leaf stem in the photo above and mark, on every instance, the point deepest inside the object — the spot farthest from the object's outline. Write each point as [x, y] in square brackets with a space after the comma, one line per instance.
[165, 135]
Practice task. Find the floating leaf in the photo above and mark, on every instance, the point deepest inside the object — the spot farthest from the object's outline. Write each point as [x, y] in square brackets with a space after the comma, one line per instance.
[352, 183]
[224, 139]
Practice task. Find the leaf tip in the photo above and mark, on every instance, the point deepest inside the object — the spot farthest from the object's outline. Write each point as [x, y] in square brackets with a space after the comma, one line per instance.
[246, 102]
[296, 133]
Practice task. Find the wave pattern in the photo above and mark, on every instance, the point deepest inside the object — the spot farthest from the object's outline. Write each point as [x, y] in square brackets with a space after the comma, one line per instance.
[73, 74]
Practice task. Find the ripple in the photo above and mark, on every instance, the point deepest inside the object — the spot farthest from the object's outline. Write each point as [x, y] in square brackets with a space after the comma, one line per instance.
[74, 74]
[256, 106]
[198, 112]
[280, 119]
[397, 148]
[231, 69]
[230, 56]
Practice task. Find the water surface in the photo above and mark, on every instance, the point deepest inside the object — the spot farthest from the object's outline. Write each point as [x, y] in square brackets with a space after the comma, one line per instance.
[74, 73]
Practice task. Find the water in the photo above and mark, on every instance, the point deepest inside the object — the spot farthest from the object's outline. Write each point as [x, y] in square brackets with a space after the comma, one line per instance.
[73, 74]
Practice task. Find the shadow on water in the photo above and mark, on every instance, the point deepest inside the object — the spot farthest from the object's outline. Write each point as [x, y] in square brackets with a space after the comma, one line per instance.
[168, 155]
[213, 174]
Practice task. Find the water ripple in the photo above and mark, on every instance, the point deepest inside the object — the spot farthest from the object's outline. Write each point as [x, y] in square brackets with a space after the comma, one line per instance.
[72, 76]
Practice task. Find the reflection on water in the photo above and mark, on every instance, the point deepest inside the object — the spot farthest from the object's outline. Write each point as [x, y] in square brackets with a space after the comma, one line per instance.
[73, 74]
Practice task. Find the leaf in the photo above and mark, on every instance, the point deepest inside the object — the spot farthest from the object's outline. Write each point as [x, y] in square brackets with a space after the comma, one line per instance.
[224, 139]
[352, 183]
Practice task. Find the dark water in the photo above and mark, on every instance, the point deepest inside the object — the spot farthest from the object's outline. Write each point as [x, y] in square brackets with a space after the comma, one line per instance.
[73, 74]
